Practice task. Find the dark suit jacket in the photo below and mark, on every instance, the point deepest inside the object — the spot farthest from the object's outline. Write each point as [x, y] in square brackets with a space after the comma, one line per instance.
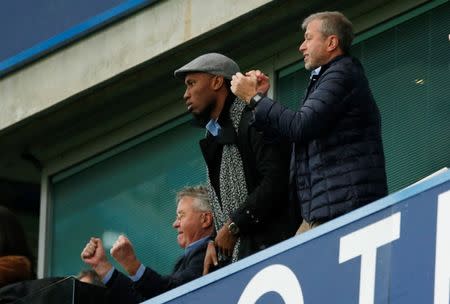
[122, 289]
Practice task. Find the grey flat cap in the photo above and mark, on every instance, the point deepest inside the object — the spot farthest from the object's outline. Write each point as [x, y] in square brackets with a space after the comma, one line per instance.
[212, 63]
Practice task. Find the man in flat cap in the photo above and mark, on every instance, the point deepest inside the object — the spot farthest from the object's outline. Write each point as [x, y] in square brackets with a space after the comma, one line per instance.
[247, 176]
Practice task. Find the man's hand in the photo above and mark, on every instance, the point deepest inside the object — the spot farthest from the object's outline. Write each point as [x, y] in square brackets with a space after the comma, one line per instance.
[123, 252]
[210, 258]
[94, 255]
[244, 87]
[225, 241]
[262, 81]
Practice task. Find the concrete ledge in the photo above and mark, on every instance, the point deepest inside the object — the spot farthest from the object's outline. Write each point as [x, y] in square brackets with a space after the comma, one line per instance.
[110, 52]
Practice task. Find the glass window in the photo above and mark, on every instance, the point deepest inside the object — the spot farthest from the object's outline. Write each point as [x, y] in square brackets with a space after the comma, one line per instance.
[132, 192]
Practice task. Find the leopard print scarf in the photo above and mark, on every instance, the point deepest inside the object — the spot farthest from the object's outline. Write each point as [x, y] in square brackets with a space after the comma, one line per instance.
[233, 187]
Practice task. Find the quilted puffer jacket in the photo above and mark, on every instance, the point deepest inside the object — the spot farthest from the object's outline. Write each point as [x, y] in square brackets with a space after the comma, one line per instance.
[338, 160]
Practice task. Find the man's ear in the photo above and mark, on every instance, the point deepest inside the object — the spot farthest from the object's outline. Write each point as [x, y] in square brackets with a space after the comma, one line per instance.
[207, 220]
[333, 43]
[217, 82]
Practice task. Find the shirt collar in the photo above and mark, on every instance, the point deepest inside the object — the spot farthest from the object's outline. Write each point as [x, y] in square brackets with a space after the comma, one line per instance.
[213, 127]
[315, 72]
[224, 116]
[194, 245]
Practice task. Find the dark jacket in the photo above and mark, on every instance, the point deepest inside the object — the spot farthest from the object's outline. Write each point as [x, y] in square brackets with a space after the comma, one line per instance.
[339, 160]
[55, 290]
[121, 289]
[266, 217]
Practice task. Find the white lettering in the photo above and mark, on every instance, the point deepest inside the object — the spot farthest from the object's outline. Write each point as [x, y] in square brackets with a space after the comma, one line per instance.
[442, 266]
[364, 242]
[277, 278]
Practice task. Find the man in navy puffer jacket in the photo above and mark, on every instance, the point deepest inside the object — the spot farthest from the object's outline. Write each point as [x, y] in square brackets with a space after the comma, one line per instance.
[337, 161]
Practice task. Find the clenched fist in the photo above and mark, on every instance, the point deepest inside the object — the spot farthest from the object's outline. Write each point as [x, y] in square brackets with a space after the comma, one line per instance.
[94, 255]
[123, 252]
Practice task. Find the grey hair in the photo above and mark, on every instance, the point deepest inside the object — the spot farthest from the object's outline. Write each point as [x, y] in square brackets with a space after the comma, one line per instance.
[200, 195]
[334, 23]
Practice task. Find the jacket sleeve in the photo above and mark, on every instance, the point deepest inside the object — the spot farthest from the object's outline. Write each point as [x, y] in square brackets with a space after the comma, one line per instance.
[271, 161]
[120, 290]
[317, 115]
[152, 283]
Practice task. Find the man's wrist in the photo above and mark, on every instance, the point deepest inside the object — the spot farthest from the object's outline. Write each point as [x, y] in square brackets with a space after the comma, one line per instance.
[233, 229]
[255, 100]
[103, 268]
[247, 95]
[132, 267]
